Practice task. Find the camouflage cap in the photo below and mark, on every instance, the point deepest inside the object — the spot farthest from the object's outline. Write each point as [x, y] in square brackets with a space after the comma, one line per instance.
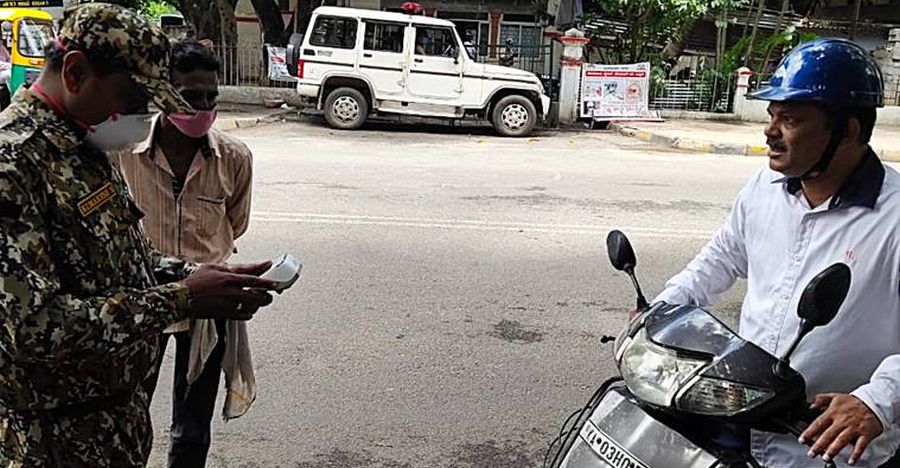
[117, 35]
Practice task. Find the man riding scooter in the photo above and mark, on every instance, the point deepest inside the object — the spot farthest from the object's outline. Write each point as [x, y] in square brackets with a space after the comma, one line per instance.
[825, 197]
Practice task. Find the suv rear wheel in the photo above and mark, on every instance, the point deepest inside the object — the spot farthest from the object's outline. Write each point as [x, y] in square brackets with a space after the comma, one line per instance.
[346, 108]
[514, 116]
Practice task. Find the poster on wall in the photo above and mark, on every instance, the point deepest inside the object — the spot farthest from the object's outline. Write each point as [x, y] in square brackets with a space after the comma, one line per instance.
[278, 65]
[613, 92]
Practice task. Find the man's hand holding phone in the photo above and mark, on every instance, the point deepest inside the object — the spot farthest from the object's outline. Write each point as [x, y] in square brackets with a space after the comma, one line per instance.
[233, 292]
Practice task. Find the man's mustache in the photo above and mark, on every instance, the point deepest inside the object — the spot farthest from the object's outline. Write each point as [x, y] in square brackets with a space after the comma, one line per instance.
[776, 145]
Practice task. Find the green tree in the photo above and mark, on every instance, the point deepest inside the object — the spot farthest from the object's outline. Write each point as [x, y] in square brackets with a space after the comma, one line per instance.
[153, 9]
[759, 60]
[214, 19]
[656, 29]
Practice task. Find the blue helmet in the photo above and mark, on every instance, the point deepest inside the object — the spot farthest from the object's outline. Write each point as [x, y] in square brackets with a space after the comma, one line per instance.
[829, 71]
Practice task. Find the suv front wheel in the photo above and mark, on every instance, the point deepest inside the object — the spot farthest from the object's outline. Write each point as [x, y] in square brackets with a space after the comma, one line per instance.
[346, 108]
[514, 116]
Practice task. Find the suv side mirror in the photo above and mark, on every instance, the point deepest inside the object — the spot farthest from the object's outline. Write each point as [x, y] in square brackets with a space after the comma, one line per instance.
[821, 300]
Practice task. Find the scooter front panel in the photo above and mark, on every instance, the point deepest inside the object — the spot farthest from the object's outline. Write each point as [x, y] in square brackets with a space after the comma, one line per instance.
[619, 434]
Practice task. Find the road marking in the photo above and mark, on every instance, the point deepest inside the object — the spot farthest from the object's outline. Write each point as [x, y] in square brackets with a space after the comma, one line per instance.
[474, 225]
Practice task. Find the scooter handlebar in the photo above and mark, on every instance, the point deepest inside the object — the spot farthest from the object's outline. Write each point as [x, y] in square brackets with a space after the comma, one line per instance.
[798, 420]
[808, 415]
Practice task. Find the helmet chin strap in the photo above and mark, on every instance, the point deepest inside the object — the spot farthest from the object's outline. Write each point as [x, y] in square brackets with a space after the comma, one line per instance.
[837, 135]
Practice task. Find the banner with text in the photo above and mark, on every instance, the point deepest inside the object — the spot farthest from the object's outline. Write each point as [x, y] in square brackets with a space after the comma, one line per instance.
[277, 65]
[31, 4]
[610, 92]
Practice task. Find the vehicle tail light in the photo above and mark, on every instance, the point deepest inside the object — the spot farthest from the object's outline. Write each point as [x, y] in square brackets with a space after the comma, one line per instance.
[300, 66]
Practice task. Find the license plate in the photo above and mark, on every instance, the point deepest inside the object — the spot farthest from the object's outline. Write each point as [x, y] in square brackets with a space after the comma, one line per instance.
[607, 449]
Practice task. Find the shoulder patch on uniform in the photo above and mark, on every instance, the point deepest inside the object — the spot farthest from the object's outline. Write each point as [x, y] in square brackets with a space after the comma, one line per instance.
[95, 200]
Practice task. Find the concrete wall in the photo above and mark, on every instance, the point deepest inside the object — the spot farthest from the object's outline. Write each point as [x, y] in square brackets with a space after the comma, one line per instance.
[366, 4]
[889, 61]
[755, 111]
[258, 95]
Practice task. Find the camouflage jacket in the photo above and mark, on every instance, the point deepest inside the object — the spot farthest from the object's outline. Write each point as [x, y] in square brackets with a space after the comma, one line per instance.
[81, 304]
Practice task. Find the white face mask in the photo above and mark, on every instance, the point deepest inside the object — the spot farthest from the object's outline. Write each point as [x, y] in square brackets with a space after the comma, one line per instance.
[121, 132]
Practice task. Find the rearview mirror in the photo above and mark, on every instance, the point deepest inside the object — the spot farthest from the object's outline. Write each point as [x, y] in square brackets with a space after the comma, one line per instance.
[821, 300]
[824, 295]
[621, 254]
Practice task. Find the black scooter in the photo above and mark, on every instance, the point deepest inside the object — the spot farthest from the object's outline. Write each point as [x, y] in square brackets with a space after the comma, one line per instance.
[690, 388]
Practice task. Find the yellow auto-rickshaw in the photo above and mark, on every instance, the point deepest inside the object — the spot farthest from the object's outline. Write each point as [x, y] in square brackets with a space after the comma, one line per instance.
[25, 33]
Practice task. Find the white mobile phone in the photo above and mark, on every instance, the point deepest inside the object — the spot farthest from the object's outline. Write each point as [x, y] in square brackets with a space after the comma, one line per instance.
[285, 271]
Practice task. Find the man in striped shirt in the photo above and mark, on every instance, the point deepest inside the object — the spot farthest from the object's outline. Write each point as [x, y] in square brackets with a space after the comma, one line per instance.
[193, 182]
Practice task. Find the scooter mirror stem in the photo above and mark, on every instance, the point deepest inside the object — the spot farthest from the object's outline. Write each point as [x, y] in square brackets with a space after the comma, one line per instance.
[641, 300]
[782, 368]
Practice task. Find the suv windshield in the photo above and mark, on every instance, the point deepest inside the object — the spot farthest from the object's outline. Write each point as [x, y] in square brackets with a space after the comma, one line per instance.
[34, 35]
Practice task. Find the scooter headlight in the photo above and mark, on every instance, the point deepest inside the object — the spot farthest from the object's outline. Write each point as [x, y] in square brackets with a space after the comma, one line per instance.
[716, 397]
[653, 373]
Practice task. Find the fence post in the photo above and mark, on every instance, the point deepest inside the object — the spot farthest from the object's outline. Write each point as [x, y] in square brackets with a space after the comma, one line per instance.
[740, 90]
[570, 75]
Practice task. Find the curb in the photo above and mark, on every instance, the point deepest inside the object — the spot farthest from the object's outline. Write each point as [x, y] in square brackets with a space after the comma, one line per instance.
[704, 146]
[697, 146]
[235, 123]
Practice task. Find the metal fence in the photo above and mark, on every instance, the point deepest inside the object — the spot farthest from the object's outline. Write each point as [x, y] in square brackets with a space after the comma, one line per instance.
[705, 95]
[246, 65]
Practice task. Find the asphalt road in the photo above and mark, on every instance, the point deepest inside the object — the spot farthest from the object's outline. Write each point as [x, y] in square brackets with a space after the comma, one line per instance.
[454, 291]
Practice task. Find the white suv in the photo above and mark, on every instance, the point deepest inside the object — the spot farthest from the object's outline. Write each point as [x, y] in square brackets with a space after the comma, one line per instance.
[353, 63]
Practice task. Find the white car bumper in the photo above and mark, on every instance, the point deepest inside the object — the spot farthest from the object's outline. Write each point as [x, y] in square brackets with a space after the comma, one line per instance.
[310, 91]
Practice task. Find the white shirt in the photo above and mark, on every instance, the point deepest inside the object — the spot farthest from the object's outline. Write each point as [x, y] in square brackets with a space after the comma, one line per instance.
[774, 239]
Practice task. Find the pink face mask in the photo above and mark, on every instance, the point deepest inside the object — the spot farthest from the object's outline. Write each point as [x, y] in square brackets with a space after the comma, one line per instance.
[196, 125]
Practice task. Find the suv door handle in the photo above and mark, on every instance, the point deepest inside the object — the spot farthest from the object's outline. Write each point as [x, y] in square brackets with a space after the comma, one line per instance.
[418, 60]
[367, 55]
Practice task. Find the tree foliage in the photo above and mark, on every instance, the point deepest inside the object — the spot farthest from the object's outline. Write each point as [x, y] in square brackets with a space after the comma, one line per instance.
[651, 25]
[153, 9]
[214, 19]
[774, 45]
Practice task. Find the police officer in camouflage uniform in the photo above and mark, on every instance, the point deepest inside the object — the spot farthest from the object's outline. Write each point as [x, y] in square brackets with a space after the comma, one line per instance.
[82, 294]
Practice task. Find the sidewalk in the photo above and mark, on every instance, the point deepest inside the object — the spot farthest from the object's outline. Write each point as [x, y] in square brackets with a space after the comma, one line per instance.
[232, 116]
[730, 137]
